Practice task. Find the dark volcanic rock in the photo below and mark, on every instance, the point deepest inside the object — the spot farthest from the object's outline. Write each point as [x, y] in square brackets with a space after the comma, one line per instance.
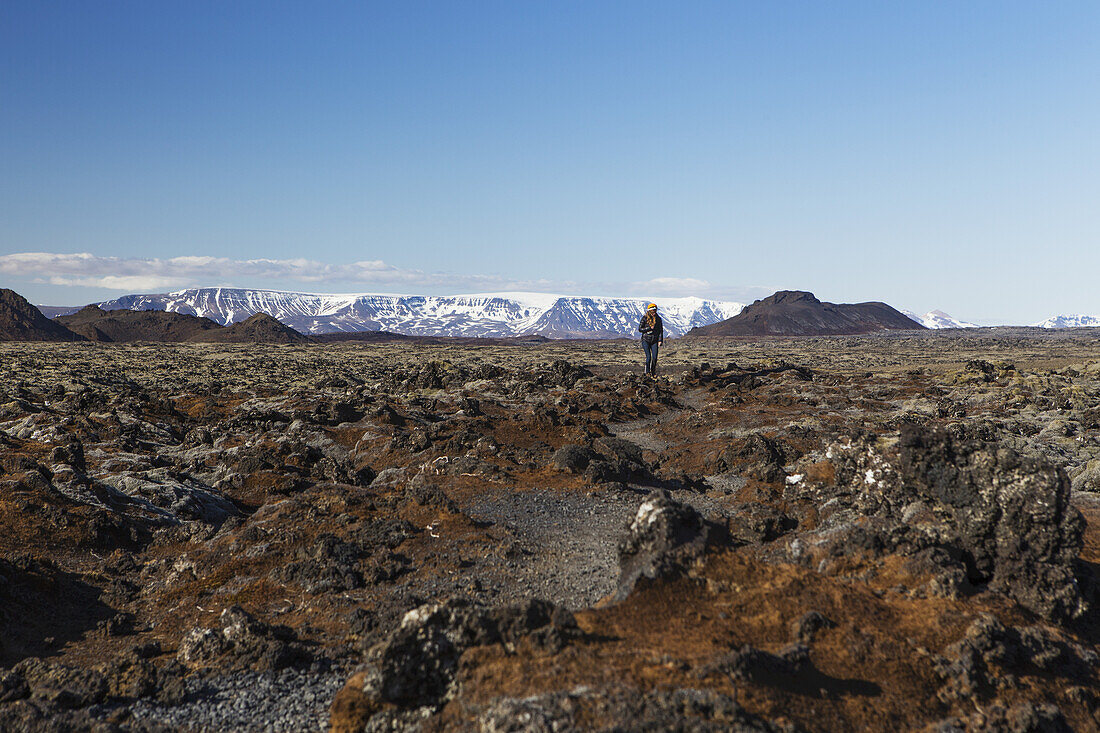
[797, 313]
[975, 665]
[809, 625]
[21, 321]
[61, 685]
[757, 522]
[1010, 515]
[764, 457]
[1023, 718]
[1007, 518]
[242, 642]
[664, 538]
[757, 665]
[414, 670]
[572, 458]
[328, 565]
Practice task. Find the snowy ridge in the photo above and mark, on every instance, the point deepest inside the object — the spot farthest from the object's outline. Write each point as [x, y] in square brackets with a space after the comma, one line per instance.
[482, 314]
[1069, 321]
[938, 319]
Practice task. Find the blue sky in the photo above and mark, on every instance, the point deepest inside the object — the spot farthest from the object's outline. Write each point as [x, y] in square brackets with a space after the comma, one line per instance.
[929, 154]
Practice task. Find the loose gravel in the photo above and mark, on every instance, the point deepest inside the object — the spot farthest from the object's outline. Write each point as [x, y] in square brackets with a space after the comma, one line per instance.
[249, 702]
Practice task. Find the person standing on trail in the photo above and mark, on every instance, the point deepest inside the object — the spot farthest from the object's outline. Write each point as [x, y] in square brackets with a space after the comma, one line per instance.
[653, 335]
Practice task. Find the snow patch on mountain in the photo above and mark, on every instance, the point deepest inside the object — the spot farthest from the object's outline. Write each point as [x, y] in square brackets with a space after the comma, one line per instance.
[938, 319]
[1069, 321]
[481, 314]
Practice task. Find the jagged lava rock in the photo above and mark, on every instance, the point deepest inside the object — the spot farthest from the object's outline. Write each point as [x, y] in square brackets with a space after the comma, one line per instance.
[413, 671]
[662, 540]
[1007, 516]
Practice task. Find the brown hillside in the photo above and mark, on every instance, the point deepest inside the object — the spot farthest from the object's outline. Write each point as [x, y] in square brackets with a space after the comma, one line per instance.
[122, 326]
[259, 328]
[21, 321]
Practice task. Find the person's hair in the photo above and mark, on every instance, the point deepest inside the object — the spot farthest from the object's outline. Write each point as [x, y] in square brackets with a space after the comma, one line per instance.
[651, 317]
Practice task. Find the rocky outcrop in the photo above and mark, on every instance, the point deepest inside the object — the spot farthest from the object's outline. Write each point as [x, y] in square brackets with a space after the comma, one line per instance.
[980, 512]
[241, 641]
[662, 541]
[414, 671]
[990, 656]
[41, 695]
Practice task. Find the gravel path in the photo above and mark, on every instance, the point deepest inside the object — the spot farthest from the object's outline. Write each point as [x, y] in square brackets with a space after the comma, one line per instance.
[640, 433]
[286, 701]
[571, 541]
[719, 500]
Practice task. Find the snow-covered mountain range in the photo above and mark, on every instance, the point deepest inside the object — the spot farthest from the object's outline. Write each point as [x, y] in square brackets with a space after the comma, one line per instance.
[1069, 321]
[938, 319]
[487, 315]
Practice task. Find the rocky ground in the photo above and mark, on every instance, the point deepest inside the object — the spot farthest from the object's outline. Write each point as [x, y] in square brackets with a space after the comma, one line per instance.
[849, 533]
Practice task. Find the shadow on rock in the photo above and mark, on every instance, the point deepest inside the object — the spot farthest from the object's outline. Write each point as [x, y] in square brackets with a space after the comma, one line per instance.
[42, 607]
[790, 670]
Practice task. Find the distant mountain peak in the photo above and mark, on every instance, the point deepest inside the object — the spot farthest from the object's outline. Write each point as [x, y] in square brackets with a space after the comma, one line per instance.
[499, 315]
[937, 319]
[1073, 320]
[788, 296]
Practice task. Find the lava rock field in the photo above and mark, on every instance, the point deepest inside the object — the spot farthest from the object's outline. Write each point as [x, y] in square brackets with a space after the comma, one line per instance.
[889, 532]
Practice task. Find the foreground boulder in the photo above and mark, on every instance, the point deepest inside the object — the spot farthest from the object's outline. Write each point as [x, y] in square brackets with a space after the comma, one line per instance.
[413, 673]
[662, 541]
[981, 513]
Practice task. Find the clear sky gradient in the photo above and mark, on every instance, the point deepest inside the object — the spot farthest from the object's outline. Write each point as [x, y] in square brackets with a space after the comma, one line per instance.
[929, 154]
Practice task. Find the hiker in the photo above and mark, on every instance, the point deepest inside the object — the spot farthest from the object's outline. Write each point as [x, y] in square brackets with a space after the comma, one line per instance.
[653, 335]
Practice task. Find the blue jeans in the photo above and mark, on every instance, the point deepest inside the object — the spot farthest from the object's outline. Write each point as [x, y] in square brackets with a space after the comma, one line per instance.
[650, 357]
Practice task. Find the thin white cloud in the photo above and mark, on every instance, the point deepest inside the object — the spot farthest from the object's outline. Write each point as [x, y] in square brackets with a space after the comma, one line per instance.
[121, 273]
[137, 274]
[115, 282]
[673, 286]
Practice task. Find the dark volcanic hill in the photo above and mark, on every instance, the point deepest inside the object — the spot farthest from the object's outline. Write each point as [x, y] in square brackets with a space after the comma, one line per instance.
[21, 321]
[364, 336]
[258, 328]
[798, 313]
[121, 326]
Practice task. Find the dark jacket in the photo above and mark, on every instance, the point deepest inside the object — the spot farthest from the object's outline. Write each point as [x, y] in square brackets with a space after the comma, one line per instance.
[652, 335]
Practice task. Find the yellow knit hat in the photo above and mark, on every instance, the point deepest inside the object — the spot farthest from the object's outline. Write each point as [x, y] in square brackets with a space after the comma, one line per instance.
[651, 306]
